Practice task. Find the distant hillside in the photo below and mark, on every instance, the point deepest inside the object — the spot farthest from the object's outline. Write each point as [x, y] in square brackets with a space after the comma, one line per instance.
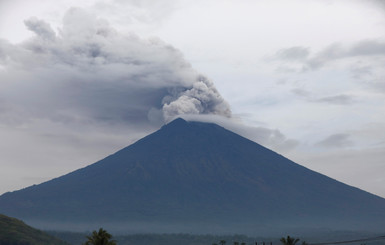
[195, 177]
[16, 232]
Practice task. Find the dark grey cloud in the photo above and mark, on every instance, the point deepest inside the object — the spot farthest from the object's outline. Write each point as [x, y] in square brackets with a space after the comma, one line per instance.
[301, 92]
[361, 71]
[364, 61]
[300, 59]
[148, 11]
[370, 74]
[41, 28]
[87, 72]
[367, 47]
[377, 4]
[341, 99]
[338, 51]
[293, 53]
[339, 140]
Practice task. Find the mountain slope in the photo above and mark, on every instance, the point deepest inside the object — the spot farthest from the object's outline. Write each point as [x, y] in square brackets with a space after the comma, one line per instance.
[197, 173]
[15, 232]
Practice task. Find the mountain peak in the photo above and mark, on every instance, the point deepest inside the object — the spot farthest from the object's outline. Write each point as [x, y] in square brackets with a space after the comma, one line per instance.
[178, 122]
[180, 126]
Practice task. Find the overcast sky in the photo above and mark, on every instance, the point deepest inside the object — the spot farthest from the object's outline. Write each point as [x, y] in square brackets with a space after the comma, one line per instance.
[80, 80]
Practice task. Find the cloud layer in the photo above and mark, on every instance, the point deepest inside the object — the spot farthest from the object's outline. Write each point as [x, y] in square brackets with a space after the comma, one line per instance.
[90, 73]
[365, 59]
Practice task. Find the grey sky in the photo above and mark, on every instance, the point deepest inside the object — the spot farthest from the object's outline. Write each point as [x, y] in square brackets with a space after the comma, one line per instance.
[305, 78]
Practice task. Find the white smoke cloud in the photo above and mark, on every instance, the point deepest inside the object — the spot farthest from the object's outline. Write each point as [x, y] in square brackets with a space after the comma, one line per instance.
[89, 72]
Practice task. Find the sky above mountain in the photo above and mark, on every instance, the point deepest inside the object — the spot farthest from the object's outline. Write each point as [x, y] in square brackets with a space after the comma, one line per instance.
[82, 79]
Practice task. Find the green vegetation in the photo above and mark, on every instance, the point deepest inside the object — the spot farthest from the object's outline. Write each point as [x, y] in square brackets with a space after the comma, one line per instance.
[16, 232]
[101, 237]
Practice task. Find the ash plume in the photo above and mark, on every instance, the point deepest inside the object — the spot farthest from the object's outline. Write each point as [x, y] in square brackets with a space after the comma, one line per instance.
[89, 72]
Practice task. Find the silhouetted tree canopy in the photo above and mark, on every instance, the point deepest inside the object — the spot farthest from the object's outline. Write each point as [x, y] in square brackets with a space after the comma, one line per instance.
[289, 240]
[102, 237]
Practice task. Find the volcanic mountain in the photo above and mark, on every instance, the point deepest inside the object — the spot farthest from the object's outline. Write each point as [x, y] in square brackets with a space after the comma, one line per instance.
[199, 177]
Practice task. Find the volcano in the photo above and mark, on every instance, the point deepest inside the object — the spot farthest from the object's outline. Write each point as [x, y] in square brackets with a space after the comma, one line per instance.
[196, 177]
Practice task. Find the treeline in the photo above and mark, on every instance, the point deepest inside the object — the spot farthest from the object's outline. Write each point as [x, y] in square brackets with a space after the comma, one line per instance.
[190, 239]
[165, 239]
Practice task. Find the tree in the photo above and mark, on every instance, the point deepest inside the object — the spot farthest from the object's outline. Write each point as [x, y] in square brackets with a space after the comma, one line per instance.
[289, 240]
[102, 237]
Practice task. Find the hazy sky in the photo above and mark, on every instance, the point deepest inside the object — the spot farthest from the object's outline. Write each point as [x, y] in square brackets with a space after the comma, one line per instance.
[81, 79]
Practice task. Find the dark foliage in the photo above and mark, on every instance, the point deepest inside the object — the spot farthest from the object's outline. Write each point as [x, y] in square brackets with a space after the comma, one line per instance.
[16, 232]
[289, 240]
[101, 237]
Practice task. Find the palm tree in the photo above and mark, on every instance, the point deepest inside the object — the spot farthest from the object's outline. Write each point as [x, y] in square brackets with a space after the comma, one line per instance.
[289, 240]
[102, 237]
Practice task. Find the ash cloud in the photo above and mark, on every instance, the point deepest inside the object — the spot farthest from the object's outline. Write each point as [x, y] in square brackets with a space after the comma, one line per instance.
[202, 98]
[90, 73]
